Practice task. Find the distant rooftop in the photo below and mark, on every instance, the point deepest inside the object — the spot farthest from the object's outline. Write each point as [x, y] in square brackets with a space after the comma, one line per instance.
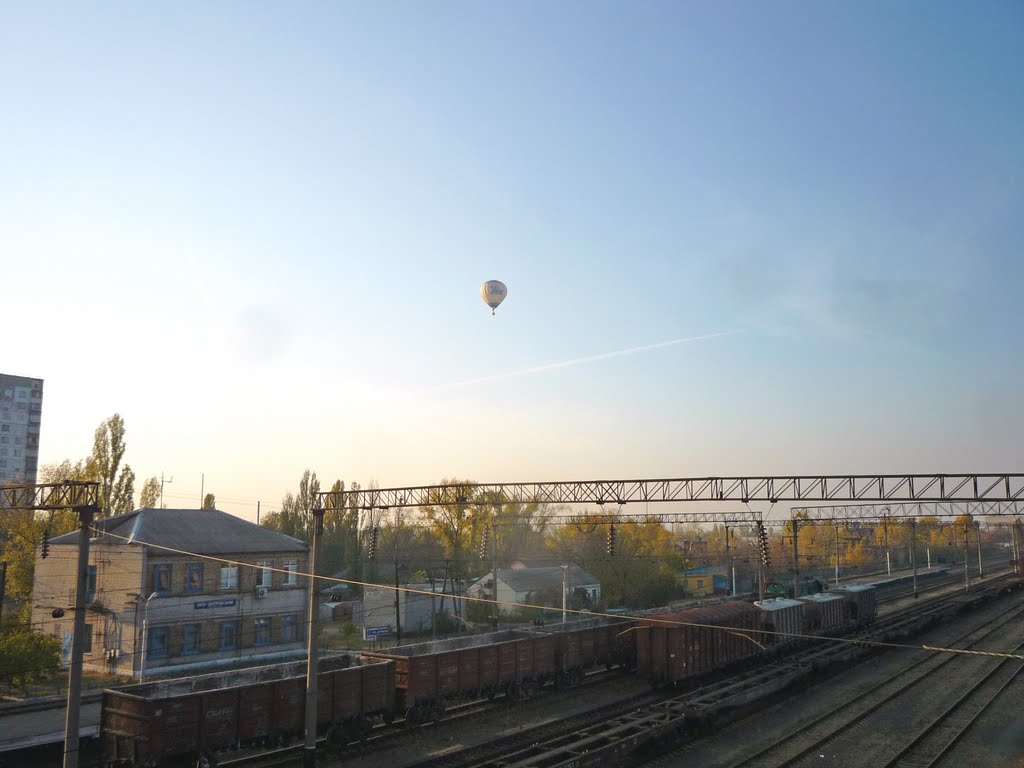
[202, 531]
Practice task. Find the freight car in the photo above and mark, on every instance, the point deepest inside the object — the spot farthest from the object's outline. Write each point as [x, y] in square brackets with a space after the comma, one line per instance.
[429, 675]
[674, 646]
[590, 643]
[186, 721]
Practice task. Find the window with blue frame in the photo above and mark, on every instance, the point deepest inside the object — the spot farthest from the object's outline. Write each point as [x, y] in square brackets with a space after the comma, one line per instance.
[228, 635]
[162, 579]
[263, 626]
[193, 639]
[289, 629]
[159, 643]
[194, 578]
[90, 585]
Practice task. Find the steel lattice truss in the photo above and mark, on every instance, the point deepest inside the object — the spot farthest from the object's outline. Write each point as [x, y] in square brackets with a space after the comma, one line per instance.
[898, 488]
[905, 511]
[72, 494]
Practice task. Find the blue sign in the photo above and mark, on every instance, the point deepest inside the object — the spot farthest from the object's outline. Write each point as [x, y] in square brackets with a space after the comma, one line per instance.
[371, 632]
[226, 603]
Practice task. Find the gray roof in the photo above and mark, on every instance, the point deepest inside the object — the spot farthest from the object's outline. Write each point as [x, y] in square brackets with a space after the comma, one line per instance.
[536, 579]
[202, 531]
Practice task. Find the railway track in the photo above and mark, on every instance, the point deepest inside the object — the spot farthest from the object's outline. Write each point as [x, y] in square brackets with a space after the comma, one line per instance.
[608, 735]
[819, 736]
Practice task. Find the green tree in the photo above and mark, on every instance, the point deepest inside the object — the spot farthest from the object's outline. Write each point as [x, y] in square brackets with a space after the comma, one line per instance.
[117, 492]
[27, 657]
[21, 534]
[149, 496]
[293, 519]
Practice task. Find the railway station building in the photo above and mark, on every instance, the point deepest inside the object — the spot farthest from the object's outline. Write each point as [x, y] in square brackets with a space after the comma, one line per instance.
[197, 589]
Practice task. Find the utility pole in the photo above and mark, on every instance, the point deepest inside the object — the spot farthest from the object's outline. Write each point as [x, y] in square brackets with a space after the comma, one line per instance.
[981, 567]
[1014, 550]
[167, 482]
[3, 591]
[309, 755]
[727, 564]
[837, 556]
[967, 562]
[71, 728]
[888, 561]
[796, 559]
[913, 551]
[494, 574]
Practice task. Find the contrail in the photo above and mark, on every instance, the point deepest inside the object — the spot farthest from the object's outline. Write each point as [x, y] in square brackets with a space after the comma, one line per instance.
[578, 361]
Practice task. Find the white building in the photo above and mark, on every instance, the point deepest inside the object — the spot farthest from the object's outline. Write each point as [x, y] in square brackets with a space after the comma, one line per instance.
[537, 586]
[21, 407]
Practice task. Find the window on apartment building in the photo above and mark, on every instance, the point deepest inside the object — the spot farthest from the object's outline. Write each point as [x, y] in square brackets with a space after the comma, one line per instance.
[228, 635]
[194, 577]
[5, 428]
[289, 629]
[263, 574]
[158, 643]
[262, 626]
[162, 578]
[193, 639]
[90, 584]
[292, 577]
[229, 577]
[87, 642]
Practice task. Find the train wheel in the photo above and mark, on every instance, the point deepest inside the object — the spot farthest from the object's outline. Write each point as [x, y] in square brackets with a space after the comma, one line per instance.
[365, 728]
[414, 716]
[389, 717]
[437, 712]
[206, 759]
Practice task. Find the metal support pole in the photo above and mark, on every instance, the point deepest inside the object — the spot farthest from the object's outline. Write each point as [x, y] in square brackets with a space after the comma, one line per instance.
[967, 562]
[85, 516]
[981, 566]
[913, 551]
[1014, 551]
[145, 637]
[837, 556]
[309, 755]
[398, 597]
[888, 560]
[565, 590]
[494, 574]
[727, 564]
[796, 559]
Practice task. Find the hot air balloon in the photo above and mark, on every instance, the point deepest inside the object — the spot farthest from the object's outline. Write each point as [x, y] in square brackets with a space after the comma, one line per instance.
[493, 292]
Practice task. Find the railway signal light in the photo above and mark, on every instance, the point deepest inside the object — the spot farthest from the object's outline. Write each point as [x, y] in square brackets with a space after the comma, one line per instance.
[371, 546]
[611, 539]
[46, 543]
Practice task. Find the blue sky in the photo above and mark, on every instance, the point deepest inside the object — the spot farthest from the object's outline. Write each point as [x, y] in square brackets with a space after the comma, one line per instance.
[258, 231]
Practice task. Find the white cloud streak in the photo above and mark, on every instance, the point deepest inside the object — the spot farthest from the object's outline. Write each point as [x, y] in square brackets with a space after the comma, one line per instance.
[577, 361]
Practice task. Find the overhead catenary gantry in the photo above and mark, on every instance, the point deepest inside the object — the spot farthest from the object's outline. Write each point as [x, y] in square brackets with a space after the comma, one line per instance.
[850, 513]
[990, 487]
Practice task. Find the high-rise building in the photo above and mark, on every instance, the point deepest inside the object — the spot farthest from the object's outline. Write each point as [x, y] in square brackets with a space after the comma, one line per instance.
[21, 411]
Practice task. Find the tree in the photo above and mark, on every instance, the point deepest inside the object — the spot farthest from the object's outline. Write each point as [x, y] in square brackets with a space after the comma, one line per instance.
[149, 497]
[296, 512]
[22, 532]
[455, 524]
[209, 502]
[117, 492]
[27, 657]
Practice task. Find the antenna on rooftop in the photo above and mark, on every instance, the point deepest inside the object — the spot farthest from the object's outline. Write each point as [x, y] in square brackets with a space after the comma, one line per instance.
[162, 481]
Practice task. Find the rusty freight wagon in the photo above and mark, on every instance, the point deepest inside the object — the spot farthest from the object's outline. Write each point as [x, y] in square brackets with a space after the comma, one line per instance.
[186, 721]
[783, 621]
[429, 674]
[589, 643]
[861, 605]
[674, 646]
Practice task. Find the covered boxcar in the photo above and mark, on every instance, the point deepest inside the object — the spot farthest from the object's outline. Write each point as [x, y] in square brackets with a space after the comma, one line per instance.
[861, 605]
[187, 720]
[782, 620]
[826, 612]
[429, 674]
[674, 646]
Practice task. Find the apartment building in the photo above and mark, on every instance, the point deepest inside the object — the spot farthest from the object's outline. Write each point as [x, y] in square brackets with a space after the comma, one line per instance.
[21, 408]
[195, 588]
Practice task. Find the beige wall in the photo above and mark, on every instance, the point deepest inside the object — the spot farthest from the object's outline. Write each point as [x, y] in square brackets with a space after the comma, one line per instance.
[117, 613]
